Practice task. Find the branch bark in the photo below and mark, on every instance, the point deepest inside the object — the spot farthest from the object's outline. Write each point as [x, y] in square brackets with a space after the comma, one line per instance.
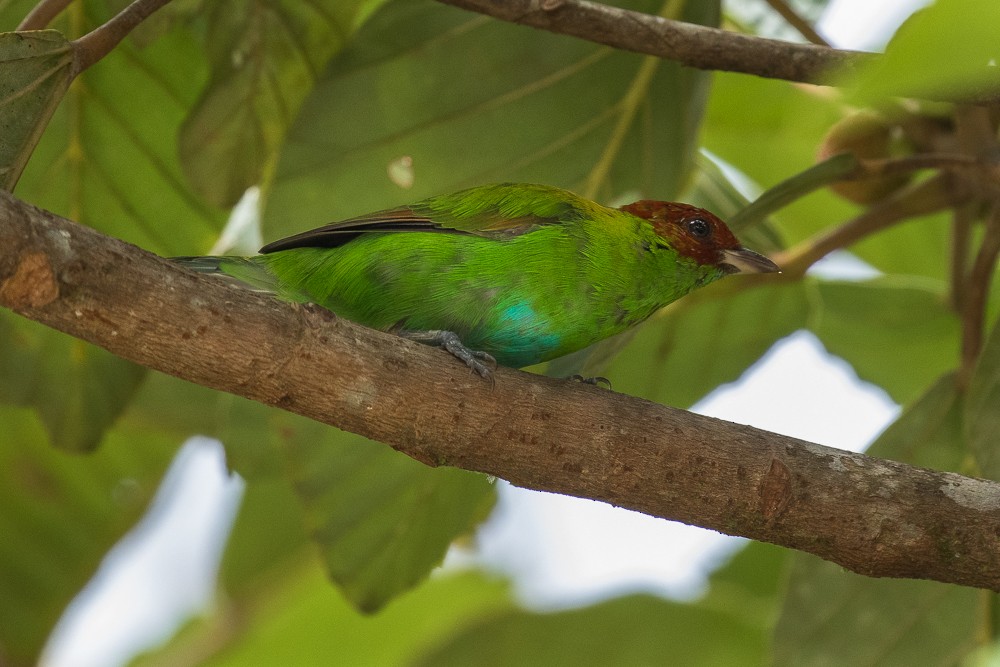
[876, 517]
[689, 44]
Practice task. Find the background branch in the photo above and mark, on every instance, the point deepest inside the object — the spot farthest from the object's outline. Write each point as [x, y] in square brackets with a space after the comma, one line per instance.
[872, 516]
[688, 44]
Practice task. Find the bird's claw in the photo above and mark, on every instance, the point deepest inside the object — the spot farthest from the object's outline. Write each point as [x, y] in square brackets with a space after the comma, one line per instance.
[478, 361]
[596, 380]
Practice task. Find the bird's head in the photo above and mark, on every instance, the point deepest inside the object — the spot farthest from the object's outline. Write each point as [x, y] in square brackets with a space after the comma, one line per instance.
[700, 235]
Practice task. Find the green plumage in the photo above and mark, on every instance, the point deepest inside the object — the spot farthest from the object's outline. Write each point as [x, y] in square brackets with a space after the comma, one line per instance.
[525, 273]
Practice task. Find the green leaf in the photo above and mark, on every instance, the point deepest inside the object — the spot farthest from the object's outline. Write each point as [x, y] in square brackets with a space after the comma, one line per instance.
[265, 57]
[697, 344]
[77, 389]
[982, 409]
[751, 585]
[35, 71]
[429, 99]
[59, 515]
[108, 159]
[896, 331]
[833, 615]
[947, 50]
[929, 432]
[633, 630]
[381, 519]
[297, 619]
[109, 156]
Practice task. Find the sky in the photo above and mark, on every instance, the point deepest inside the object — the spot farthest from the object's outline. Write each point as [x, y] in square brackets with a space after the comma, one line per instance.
[559, 551]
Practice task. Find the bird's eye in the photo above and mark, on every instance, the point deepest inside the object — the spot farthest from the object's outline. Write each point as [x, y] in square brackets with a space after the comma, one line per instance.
[699, 228]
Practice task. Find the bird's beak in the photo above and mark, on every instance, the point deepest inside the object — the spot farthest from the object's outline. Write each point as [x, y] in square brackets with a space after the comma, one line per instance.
[742, 260]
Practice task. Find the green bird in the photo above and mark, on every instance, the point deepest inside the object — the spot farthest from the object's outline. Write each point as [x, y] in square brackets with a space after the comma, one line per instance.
[514, 274]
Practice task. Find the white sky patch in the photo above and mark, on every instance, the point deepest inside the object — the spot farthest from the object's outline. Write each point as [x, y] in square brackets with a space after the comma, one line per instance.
[161, 572]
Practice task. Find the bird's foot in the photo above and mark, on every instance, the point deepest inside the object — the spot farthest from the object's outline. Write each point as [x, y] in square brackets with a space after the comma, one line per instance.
[597, 380]
[481, 362]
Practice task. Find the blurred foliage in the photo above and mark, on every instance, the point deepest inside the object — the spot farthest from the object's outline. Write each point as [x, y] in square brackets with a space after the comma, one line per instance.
[336, 108]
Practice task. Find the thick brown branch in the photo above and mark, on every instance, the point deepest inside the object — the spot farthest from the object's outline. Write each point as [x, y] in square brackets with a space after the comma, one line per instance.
[872, 516]
[688, 44]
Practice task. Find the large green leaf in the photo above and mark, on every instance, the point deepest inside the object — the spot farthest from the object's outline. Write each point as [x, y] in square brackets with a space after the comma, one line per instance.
[59, 515]
[429, 99]
[948, 49]
[77, 389]
[896, 331]
[633, 630]
[834, 617]
[296, 619]
[108, 159]
[381, 519]
[265, 57]
[35, 70]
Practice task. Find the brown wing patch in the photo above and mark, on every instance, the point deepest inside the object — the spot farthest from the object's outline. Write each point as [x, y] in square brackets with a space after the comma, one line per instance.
[691, 231]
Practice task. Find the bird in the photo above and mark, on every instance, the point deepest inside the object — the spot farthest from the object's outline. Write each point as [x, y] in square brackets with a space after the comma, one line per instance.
[512, 273]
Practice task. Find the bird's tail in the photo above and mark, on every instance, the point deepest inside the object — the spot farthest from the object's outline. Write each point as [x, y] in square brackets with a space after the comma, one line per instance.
[244, 271]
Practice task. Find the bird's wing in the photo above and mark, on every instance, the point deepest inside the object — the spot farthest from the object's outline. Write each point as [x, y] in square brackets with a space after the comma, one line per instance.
[494, 211]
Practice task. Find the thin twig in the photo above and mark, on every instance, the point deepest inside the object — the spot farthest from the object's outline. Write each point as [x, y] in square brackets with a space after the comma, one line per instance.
[977, 288]
[99, 42]
[797, 22]
[909, 163]
[42, 14]
[961, 230]
[934, 194]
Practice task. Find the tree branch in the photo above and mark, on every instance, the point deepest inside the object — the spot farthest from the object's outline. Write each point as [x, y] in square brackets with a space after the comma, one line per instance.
[873, 516]
[688, 44]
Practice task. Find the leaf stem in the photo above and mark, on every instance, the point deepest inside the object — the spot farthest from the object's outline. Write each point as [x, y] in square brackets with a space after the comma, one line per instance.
[974, 300]
[961, 230]
[42, 14]
[928, 196]
[99, 42]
